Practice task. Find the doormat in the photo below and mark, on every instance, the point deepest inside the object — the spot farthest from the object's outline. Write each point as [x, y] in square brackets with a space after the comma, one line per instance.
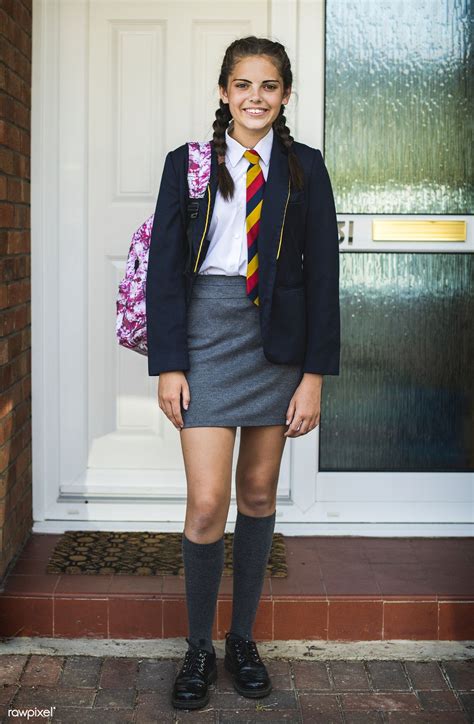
[140, 554]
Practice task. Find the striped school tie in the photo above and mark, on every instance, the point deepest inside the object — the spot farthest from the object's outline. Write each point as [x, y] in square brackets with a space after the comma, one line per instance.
[255, 187]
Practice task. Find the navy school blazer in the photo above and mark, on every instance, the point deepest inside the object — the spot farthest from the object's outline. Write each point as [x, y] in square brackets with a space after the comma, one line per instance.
[298, 253]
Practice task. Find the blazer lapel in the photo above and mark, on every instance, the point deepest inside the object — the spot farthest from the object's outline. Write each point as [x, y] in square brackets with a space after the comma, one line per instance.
[271, 220]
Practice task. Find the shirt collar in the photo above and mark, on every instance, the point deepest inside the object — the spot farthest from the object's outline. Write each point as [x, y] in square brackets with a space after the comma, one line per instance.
[235, 150]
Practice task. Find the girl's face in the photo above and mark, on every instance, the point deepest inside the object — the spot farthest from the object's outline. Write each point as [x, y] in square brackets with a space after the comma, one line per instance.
[255, 83]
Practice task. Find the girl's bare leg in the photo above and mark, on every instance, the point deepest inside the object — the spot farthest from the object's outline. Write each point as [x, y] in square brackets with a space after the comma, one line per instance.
[207, 453]
[258, 468]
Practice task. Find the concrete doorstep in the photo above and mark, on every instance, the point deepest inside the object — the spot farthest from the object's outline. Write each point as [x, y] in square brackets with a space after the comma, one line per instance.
[299, 650]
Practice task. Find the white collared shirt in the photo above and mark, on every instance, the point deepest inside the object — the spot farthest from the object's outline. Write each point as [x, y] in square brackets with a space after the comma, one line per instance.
[227, 253]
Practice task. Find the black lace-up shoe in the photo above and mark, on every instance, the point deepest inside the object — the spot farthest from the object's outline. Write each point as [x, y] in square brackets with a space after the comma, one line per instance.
[243, 661]
[190, 689]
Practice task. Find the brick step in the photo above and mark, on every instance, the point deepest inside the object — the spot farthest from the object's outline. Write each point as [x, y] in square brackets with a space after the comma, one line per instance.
[337, 589]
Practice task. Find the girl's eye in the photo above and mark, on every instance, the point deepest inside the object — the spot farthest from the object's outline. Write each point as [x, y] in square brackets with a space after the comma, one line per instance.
[268, 86]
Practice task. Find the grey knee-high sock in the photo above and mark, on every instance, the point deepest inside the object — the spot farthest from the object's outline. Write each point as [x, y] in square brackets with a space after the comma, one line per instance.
[203, 566]
[251, 548]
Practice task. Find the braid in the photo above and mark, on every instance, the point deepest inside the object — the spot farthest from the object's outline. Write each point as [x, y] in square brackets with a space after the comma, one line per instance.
[224, 179]
[282, 130]
[284, 134]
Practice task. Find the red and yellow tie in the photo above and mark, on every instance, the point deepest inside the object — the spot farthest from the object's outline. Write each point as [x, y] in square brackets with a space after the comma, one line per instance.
[255, 187]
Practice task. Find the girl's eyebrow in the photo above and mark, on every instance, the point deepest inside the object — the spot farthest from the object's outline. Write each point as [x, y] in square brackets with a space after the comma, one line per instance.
[270, 80]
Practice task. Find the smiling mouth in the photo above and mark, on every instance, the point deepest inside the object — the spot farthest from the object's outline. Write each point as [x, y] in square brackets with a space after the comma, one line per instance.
[255, 112]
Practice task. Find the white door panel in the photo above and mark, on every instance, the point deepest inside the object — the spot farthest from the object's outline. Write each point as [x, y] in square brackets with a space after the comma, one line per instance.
[153, 70]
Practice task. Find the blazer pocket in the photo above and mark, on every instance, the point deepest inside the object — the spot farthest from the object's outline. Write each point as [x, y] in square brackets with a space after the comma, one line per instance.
[296, 197]
[287, 340]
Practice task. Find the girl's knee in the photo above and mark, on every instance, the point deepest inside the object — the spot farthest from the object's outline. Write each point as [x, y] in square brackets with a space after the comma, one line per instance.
[257, 494]
[205, 520]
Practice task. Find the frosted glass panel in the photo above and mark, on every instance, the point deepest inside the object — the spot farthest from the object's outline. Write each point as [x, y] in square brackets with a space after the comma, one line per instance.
[399, 106]
[404, 400]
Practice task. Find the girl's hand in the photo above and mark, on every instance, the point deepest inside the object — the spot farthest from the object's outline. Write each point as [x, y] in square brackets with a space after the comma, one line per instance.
[171, 385]
[304, 410]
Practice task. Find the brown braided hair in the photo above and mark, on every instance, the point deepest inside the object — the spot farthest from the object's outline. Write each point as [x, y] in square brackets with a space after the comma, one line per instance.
[237, 50]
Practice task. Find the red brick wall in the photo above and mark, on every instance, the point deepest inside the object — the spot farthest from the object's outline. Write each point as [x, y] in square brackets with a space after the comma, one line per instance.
[15, 337]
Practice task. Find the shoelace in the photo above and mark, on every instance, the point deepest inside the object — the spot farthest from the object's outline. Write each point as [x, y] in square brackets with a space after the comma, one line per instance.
[194, 659]
[247, 650]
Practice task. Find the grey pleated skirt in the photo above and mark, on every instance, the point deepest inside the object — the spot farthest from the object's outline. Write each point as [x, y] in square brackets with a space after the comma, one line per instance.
[231, 383]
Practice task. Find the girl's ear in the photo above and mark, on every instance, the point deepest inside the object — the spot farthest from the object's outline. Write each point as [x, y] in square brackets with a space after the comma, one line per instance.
[223, 94]
[286, 95]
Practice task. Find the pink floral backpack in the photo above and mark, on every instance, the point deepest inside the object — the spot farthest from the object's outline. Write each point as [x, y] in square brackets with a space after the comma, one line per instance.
[131, 326]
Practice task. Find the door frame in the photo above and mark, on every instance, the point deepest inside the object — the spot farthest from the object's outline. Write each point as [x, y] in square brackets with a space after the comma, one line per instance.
[322, 503]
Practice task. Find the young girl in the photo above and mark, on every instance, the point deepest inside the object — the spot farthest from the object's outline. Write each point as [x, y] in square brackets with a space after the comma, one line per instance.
[241, 338]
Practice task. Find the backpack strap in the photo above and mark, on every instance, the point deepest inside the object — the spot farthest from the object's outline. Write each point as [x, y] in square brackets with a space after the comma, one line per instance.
[199, 172]
[199, 168]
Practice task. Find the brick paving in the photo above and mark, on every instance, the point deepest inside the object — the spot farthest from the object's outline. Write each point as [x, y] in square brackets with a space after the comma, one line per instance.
[112, 690]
